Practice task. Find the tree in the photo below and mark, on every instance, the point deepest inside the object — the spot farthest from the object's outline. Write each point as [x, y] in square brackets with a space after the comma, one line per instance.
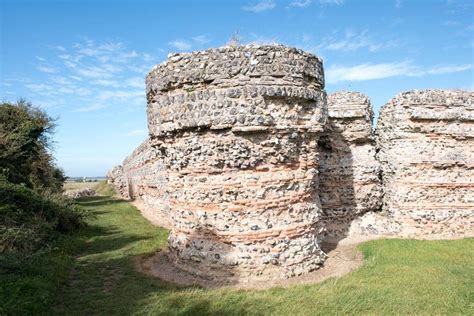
[25, 145]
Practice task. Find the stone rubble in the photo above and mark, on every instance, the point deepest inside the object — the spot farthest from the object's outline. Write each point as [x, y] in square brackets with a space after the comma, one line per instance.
[252, 166]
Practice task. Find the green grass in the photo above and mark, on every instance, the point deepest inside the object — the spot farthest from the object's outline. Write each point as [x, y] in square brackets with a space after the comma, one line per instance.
[398, 277]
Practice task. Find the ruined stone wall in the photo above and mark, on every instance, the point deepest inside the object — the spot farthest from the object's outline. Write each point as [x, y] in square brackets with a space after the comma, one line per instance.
[252, 167]
[142, 178]
[426, 148]
[238, 129]
[349, 174]
[118, 179]
[148, 182]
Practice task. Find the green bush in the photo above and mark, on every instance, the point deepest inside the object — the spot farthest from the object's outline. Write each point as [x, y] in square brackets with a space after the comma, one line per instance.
[25, 147]
[35, 218]
[30, 220]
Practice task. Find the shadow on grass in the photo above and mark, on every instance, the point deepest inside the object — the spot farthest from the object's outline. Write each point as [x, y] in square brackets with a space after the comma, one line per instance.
[104, 279]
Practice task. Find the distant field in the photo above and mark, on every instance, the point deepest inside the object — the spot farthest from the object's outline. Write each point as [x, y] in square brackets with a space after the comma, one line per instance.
[80, 185]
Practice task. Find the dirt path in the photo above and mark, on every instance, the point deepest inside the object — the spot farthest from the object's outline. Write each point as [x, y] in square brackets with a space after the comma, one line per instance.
[342, 259]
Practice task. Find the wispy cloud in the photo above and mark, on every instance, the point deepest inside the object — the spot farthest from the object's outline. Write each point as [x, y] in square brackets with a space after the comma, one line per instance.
[300, 3]
[353, 40]
[368, 71]
[451, 23]
[262, 5]
[89, 76]
[439, 70]
[46, 69]
[201, 39]
[261, 40]
[187, 44]
[459, 6]
[180, 44]
[336, 2]
[306, 3]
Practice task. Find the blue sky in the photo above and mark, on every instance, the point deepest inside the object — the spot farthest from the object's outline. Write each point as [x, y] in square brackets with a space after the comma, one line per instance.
[85, 61]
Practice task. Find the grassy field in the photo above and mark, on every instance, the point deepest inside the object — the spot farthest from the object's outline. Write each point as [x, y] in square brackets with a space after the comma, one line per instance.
[398, 277]
[79, 185]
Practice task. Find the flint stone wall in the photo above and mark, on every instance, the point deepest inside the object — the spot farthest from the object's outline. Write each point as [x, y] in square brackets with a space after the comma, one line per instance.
[119, 180]
[425, 141]
[237, 129]
[252, 166]
[349, 174]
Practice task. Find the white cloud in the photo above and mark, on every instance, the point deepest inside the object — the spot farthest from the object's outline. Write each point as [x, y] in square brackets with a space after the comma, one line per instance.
[76, 78]
[447, 69]
[336, 2]
[261, 40]
[201, 39]
[46, 69]
[451, 23]
[136, 82]
[61, 80]
[188, 44]
[39, 87]
[353, 40]
[300, 3]
[262, 5]
[180, 44]
[134, 97]
[106, 83]
[363, 72]
[90, 76]
[91, 108]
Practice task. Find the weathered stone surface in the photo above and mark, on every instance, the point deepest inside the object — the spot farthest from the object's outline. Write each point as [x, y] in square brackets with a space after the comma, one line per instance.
[119, 180]
[349, 174]
[251, 166]
[426, 148]
[237, 129]
[244, 88]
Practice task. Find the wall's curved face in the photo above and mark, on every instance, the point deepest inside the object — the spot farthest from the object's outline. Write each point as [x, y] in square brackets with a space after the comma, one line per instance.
[237, 129]
[252, 166]
[426, 149]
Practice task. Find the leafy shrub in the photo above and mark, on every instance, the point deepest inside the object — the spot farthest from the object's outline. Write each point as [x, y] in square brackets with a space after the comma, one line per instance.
[30, 220]
[25, 143]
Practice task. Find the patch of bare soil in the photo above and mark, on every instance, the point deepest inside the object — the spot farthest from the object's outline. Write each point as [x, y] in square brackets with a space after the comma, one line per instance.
[342, 259]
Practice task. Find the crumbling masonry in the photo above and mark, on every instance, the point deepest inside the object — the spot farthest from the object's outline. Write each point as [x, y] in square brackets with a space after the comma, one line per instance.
[251, 166]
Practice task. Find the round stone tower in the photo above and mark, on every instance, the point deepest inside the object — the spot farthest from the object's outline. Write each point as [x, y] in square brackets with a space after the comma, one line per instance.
[237, 129]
